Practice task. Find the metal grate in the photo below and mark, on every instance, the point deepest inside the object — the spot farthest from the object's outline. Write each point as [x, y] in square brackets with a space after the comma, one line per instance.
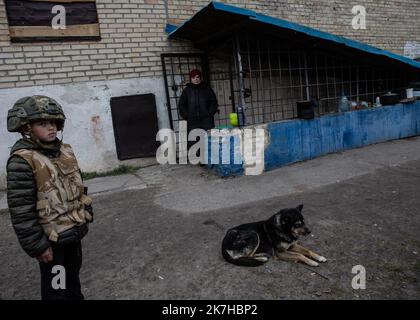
[276, 74]
[176, 68]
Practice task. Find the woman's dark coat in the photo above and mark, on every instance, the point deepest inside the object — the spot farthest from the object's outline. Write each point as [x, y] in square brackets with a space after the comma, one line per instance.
[197, 105]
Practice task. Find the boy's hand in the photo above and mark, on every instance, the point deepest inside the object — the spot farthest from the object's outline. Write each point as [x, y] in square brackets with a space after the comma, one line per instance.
[89, 209]
[47, 256]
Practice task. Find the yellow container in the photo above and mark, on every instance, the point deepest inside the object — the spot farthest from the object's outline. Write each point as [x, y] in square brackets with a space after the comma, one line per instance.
[233, 119]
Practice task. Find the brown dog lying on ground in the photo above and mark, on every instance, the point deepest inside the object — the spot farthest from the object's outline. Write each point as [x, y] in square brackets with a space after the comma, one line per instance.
[252, 244]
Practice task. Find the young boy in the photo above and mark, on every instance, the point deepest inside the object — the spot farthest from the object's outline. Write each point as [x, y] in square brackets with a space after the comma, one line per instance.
[47, 201]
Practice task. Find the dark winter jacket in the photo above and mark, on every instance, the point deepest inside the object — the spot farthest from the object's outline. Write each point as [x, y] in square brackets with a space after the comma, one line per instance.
[197, 105]
[22, 200]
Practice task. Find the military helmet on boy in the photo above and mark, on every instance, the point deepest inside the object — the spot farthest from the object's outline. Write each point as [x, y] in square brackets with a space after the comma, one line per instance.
[34, 108]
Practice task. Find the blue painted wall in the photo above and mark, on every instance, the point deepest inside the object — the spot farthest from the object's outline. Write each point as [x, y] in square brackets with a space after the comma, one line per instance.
[297, 140]
[220, 163]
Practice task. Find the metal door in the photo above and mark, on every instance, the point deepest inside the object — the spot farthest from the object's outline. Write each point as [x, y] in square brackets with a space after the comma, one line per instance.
[135, 126]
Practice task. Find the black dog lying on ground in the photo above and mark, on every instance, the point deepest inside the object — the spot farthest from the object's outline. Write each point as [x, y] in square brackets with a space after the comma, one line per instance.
[252, 244]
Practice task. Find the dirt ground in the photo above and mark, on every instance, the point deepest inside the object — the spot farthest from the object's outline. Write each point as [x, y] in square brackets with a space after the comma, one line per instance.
[139, 250]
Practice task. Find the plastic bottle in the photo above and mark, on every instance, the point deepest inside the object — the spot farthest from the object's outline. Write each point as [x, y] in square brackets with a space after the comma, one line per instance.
[378, 102]
[241, 116]
[343, 106]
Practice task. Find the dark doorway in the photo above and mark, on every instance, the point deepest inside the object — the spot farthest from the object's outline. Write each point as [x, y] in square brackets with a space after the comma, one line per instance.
[217, 70]
[176, 68]
[135, 126]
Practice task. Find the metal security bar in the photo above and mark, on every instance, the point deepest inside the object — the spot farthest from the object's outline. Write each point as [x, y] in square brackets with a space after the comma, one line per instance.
[224, 82]
[276, 76]
[176, 69]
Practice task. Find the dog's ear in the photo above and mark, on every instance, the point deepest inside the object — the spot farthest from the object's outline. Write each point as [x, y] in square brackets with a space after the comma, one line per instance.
[299, 207]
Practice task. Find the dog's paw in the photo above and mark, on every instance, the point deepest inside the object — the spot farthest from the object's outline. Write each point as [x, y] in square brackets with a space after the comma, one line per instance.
[313, 263]
[321, 259]
[262, 258]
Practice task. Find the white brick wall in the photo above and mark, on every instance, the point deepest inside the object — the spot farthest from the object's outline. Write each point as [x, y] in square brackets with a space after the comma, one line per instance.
[131, 31]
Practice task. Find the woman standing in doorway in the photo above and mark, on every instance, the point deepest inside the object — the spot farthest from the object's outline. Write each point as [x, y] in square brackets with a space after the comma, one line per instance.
[198, 103]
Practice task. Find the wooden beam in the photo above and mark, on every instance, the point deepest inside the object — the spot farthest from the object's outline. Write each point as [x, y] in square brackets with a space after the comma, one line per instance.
[70, 31]
[54, 39]
[62, 1]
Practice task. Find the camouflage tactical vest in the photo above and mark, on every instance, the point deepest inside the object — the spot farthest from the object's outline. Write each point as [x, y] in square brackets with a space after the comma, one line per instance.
[60, 194]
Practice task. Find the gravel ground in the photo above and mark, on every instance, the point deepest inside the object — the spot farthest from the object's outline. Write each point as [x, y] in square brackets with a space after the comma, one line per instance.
[138, 249]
